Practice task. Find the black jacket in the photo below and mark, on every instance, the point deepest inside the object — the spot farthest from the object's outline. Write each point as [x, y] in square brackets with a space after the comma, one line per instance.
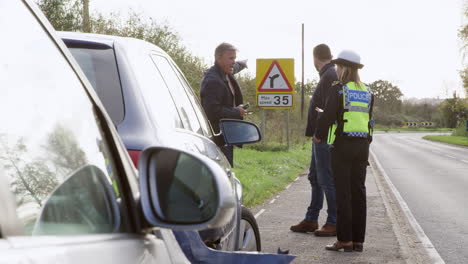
[327, 77]
[332, 112]
[217, 98]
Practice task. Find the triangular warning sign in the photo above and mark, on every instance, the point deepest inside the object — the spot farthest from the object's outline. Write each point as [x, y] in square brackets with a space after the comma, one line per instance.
[275, 80]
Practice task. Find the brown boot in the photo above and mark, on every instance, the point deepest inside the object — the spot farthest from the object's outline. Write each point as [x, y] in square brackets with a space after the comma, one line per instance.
[326, 230]
[304, 226]
[346, 246]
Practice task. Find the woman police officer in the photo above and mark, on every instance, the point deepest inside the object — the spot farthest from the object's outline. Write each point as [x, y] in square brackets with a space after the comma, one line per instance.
[347, 121]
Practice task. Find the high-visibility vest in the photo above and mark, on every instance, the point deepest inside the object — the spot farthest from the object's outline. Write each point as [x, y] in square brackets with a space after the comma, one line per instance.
[354, 119]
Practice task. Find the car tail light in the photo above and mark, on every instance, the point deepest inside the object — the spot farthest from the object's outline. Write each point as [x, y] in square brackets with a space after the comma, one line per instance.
[134, 155]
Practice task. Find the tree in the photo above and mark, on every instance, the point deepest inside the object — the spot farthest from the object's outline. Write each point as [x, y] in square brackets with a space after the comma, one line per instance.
[453, 111]
[64, 151]
[386, 95]
[161, 35]
[72, 15]
[36, 177]
[64, 15]
[309, 88]
[387, 103]
[463, 34]
[30, 178]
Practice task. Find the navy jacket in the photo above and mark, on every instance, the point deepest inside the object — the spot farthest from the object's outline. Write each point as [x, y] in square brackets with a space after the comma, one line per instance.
[216, 96]
[327, 77]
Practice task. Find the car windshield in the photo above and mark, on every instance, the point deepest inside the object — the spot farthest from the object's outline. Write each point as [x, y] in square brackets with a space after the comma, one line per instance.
[49, 129]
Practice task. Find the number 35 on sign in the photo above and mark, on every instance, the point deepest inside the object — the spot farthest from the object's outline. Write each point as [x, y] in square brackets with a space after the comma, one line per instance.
[275, 100]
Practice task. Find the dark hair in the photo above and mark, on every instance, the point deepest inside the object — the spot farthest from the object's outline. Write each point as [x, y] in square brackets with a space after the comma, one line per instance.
[223, 47]
[322, 52]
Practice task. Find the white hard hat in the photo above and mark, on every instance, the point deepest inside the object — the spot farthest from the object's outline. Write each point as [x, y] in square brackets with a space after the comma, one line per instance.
[348, 58]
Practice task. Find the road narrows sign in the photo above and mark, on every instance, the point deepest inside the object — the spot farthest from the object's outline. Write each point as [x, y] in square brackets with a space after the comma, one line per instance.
[275, 83]
[275, 80]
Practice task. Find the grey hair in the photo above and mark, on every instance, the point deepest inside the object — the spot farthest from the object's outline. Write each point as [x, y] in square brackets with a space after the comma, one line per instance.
[223, 47]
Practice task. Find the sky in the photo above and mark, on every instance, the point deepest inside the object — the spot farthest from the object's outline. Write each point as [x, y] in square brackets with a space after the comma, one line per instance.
[412, 43]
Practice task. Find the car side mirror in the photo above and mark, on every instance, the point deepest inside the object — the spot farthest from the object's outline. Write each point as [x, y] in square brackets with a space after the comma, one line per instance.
[239, 132]
[182, 190]
[85, 203]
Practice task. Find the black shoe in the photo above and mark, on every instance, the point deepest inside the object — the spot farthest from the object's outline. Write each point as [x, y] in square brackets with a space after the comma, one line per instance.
[358, 247]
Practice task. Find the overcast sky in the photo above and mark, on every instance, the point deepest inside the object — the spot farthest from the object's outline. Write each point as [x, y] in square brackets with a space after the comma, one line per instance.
[412, 43]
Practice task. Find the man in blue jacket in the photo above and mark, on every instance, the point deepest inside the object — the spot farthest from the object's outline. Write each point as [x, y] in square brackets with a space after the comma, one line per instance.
[320, 176]
[220, 93]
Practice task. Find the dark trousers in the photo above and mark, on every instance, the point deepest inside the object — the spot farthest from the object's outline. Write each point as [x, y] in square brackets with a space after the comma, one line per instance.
[229, 153]
[349, 162]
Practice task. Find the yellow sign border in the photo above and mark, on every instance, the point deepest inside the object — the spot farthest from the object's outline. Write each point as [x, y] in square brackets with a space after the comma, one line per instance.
[287, 66]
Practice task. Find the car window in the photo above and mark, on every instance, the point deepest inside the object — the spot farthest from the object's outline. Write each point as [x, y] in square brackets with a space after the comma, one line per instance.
[100, 67]
[205, 125]
[157, 98]
[177, 90]
[49, 133]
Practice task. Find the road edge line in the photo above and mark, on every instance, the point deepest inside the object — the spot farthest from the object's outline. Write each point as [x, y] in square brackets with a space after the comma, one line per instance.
[257, 215]
[425, 241]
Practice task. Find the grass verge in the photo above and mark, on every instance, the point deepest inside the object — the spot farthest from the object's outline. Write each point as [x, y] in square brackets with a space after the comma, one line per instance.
[265, 172]
[416, 129]
[455, 140]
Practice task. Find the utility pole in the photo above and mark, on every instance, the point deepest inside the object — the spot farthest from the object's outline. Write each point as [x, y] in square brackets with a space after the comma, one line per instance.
[302, 82]
[86, 27]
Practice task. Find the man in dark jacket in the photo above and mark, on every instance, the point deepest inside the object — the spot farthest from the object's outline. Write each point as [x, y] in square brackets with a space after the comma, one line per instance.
[320, 176]
[220, 93]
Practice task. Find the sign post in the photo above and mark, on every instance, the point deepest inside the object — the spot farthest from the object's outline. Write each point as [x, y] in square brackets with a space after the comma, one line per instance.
[275, 87]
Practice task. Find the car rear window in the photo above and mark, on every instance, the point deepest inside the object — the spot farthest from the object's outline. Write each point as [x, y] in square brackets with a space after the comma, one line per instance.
[100, 67]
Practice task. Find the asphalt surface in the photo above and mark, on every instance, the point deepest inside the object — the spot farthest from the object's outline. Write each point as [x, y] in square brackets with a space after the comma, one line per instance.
[432, 178]
[288, 207]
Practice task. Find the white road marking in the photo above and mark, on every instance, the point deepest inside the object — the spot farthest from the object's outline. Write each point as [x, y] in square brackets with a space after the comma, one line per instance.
[272, 201]
[287, 187]
[450, 156]
[259, 213]
[296, 179]
[466, 161]
[426, 242]
[277, 196]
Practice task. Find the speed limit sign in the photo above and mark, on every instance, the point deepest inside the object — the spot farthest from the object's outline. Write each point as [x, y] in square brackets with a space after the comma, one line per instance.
[275, 100]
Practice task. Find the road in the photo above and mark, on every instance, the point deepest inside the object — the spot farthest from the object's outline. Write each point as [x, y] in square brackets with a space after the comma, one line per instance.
[288, 207]
[432, 178]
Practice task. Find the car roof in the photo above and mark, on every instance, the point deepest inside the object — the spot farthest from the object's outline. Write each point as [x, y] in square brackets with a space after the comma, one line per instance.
[107, 40]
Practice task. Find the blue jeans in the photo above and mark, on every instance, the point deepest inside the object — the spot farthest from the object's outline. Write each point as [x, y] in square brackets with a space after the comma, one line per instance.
[321, 180]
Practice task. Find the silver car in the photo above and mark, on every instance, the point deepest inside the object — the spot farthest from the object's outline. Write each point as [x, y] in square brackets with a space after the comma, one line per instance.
[69, 192]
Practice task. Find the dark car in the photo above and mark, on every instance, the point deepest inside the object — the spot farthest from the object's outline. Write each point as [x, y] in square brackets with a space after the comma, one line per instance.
[151, 103]
[69, 192]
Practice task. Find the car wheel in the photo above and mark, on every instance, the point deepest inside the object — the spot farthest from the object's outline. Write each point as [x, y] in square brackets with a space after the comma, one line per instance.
[249, 232]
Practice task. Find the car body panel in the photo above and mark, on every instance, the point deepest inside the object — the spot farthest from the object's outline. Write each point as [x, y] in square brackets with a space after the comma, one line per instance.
[101, 248]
